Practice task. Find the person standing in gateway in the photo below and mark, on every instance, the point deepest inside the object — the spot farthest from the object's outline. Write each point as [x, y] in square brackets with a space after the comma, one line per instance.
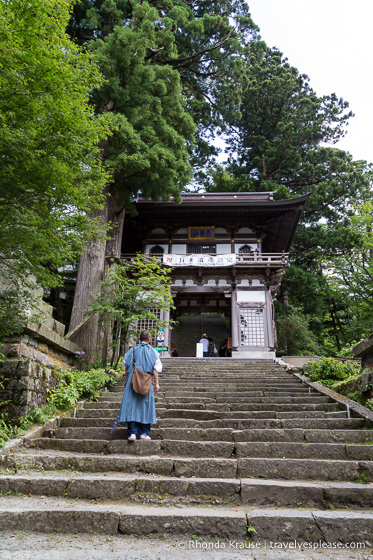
[205, 343]
[138, 411]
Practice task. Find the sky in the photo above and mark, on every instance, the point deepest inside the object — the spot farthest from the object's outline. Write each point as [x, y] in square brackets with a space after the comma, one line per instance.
[332, 42]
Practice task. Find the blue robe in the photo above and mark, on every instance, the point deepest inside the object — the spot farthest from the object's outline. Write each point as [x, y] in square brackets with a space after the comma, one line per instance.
[135, 407]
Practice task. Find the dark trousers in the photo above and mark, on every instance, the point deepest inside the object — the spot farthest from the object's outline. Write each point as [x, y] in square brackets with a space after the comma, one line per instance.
[205, 354]
[138, 428]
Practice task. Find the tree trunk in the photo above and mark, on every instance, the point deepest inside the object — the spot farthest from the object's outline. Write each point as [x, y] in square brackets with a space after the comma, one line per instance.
[116, 214]
[285, 300]
[92, 270]
[90, 274]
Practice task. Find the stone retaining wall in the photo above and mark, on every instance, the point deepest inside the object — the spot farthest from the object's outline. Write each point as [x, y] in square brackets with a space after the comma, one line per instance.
[31, 369]
[364, 350]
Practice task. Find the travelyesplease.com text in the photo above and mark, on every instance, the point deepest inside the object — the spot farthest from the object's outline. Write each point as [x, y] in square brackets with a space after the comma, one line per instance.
[290, 545]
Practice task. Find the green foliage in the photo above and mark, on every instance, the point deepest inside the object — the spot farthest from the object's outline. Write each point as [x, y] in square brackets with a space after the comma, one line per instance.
[329, 372]
[294, 337]
[134, 290]
[149, 150]
[369, 404]
[202, 43]
[18, 302]
[7, 431]
[72, 386]
[51, 176]
[279, 144]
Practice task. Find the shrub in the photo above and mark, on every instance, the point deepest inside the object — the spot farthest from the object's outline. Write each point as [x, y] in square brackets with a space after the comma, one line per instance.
[329, 371]
[72, 386]
[294, 336]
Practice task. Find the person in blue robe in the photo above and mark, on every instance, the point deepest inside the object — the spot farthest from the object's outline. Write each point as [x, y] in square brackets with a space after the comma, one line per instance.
[138, 411]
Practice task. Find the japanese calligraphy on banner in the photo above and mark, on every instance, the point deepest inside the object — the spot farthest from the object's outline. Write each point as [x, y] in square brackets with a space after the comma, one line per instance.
[201, 232]
[199, 260]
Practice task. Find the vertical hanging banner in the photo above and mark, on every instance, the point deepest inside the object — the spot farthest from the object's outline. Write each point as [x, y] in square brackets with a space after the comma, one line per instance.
[199, 260]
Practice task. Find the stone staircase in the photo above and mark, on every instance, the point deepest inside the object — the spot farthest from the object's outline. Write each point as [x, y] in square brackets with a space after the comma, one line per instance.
[240, 450]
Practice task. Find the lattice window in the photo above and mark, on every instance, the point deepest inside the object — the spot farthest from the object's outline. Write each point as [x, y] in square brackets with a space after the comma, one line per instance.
[201, 249]
[245, 250]
[149, 324]
[156, 251]
[252, 327]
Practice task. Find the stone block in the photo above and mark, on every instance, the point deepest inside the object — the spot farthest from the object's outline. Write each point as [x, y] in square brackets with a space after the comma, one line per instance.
[345, 527]
[55, 521]
[287, 525]
[206, 468]
[100, 488]
[283, 494]
[360, 452]
[298, 469]
[184, 522]
[198, 449]
[138, 448]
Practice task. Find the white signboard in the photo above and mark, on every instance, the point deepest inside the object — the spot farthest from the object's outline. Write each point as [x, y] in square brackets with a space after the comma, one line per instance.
[199, 260]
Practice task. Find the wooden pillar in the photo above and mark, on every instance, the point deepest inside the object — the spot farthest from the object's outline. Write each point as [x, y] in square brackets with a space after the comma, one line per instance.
[167, 334]
[232, 232]
[235, 319]
[170, 239]
[269, 319]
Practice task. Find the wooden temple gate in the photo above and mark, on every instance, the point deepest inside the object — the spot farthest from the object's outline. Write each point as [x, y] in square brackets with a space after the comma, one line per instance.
[228, 253]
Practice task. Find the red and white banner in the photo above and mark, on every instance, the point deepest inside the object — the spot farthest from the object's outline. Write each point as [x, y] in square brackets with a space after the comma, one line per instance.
[199, 260]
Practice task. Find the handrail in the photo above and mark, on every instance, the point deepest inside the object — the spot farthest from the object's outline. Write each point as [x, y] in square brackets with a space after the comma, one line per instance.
[241, 258]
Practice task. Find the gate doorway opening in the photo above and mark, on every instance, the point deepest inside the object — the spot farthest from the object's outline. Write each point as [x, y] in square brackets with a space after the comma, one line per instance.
[190, 328]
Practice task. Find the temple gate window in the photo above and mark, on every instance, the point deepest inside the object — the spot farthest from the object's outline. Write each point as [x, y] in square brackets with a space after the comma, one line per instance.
[156, 251]
[149, 324]
[201, 249]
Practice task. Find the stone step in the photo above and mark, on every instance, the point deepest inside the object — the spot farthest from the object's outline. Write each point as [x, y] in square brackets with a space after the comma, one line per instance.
[206, 391]
[327, 407]
[228, 377]
[167, 395]
[268, 468]
[307, 399]
[195, 449]
[235, 420]
[211, 414]
[100, 429]
[53, 515]
[238, 424]
[124, 487]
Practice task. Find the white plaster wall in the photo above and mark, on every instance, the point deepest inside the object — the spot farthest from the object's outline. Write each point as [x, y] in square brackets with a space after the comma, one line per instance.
[245, 230]
[223, 248]
[179, 249]
[220, 230]
[179, 282]
[164, 247]
[251, 296]
[182, 230]
[245, 282]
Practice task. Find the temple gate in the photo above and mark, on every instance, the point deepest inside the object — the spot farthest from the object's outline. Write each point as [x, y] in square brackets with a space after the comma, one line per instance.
[228, 252]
